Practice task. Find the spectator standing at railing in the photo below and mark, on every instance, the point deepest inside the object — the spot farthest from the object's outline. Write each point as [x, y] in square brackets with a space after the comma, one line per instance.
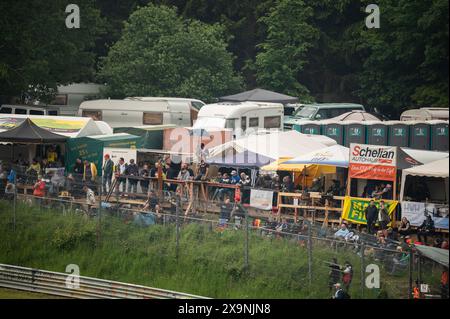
[89, 173]
[347, 276]
[220, 192]
[383, 218]
[132, 171]
[108, 168]
[119, 173]
[145, 181]
[12, 176]
[78, 168]
[245, 183]
[334, 273]
[371, 213]
[39, 191]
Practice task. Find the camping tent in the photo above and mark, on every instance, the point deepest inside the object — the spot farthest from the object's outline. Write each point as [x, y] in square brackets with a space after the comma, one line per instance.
[276, 145]
[63, 125]
[438, 169]
[29, 133]
[259, 95]
[246, 159]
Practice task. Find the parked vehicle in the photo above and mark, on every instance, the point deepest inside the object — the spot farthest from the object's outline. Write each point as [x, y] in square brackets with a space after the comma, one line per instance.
[320, 111]
[241, 116]
[425, 114]
[29, 110]
[138, 111]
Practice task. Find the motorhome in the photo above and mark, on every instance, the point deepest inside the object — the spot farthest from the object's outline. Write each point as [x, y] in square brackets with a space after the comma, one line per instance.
[132, 112]
[29, 110]
[320, 111]
[241, 117]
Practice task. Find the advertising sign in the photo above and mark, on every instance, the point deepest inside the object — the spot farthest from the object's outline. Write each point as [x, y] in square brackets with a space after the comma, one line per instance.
[261, 199]
[353, 210]
[416, 213]
[373, 162]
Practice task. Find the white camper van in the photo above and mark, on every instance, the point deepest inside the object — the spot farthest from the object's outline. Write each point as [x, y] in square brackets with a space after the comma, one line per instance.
[241, 116]
[132, 112]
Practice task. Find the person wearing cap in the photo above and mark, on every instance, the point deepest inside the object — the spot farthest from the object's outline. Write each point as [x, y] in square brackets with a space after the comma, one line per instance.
[39, 190]
[108, 167]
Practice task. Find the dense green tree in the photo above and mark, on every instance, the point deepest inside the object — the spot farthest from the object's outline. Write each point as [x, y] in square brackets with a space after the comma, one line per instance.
[406, 59]
[161, 54]
[290, 35]
[37, 50]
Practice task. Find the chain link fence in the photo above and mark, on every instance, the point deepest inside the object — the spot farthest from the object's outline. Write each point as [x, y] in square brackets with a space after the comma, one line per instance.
[227, 254]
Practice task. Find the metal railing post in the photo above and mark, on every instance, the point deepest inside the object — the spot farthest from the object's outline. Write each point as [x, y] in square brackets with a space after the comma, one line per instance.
[310, 253]
[246, 248]
[15, 202]
[177, 228]
[362, 269]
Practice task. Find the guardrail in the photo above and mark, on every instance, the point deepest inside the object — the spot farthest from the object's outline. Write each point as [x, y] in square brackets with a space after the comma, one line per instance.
[60, 284]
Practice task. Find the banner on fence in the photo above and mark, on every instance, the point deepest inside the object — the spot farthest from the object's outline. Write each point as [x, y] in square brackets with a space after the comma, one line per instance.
[373, 162]
[354, 207]
[261, 199]
[416, 213]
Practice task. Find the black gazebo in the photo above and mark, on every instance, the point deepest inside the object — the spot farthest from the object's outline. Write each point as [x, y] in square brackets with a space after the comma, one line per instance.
[259, 95]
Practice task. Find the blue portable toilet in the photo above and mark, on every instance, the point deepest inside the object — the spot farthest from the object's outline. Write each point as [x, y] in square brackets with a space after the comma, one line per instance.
[419, 135]
[354, 132]
[398, 133]
[439, 135]
[334, 130]
[376, 133]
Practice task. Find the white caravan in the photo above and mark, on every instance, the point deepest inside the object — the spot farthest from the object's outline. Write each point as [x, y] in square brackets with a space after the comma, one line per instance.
[133, 112]
[241, 117]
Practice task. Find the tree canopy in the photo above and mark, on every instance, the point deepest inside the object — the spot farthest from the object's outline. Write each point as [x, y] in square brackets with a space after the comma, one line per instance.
[38, 51]
[319, 50]
[161, 54]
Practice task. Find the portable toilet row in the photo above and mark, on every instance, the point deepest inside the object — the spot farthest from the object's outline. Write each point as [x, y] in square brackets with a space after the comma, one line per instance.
[429, 135]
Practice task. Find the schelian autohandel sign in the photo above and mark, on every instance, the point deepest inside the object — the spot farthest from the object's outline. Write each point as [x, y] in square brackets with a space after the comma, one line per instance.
[373, 162]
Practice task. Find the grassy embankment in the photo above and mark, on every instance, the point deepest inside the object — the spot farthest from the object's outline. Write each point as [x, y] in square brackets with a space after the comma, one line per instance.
[210, 262]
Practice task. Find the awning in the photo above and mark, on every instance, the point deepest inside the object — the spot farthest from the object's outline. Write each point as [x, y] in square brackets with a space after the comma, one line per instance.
[245, 159]
[336, 155]
[438, 255]
[260, 95]
[29, 133]
[437, 169]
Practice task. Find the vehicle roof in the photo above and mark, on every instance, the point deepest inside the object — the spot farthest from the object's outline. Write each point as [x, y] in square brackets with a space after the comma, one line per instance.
[124, 105]
[433, 112]
[333, 105]
[31, 107]
[230, 109]
[151, 98]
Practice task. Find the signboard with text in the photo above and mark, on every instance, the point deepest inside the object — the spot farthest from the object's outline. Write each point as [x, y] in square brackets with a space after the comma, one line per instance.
[354, 209]
[261, 199]
[373, 162]
[416, 213]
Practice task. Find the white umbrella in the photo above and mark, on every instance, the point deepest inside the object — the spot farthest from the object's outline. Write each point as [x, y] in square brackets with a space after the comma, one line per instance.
[336, 155]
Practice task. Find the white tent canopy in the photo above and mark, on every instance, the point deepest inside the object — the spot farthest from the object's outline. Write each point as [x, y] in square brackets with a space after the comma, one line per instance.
[275, 145]
[336, 155]
[424, 156]
[437, 169]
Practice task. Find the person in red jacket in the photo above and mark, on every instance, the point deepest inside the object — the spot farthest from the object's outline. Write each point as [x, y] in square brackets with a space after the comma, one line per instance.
[39, 191]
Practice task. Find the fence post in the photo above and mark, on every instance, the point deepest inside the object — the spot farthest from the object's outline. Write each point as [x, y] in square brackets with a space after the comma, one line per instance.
[362, 269]
[410, 270]
[246, 251]
[15, 202]
[99, 213]
[177, 228]
[310, 253]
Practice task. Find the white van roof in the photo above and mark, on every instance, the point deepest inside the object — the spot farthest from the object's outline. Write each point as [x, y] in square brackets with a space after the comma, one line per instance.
[125, 105]
[235, 109]
[151, 98]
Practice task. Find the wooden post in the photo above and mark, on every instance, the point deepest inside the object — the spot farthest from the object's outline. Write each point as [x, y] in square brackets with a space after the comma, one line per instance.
[160, 180]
